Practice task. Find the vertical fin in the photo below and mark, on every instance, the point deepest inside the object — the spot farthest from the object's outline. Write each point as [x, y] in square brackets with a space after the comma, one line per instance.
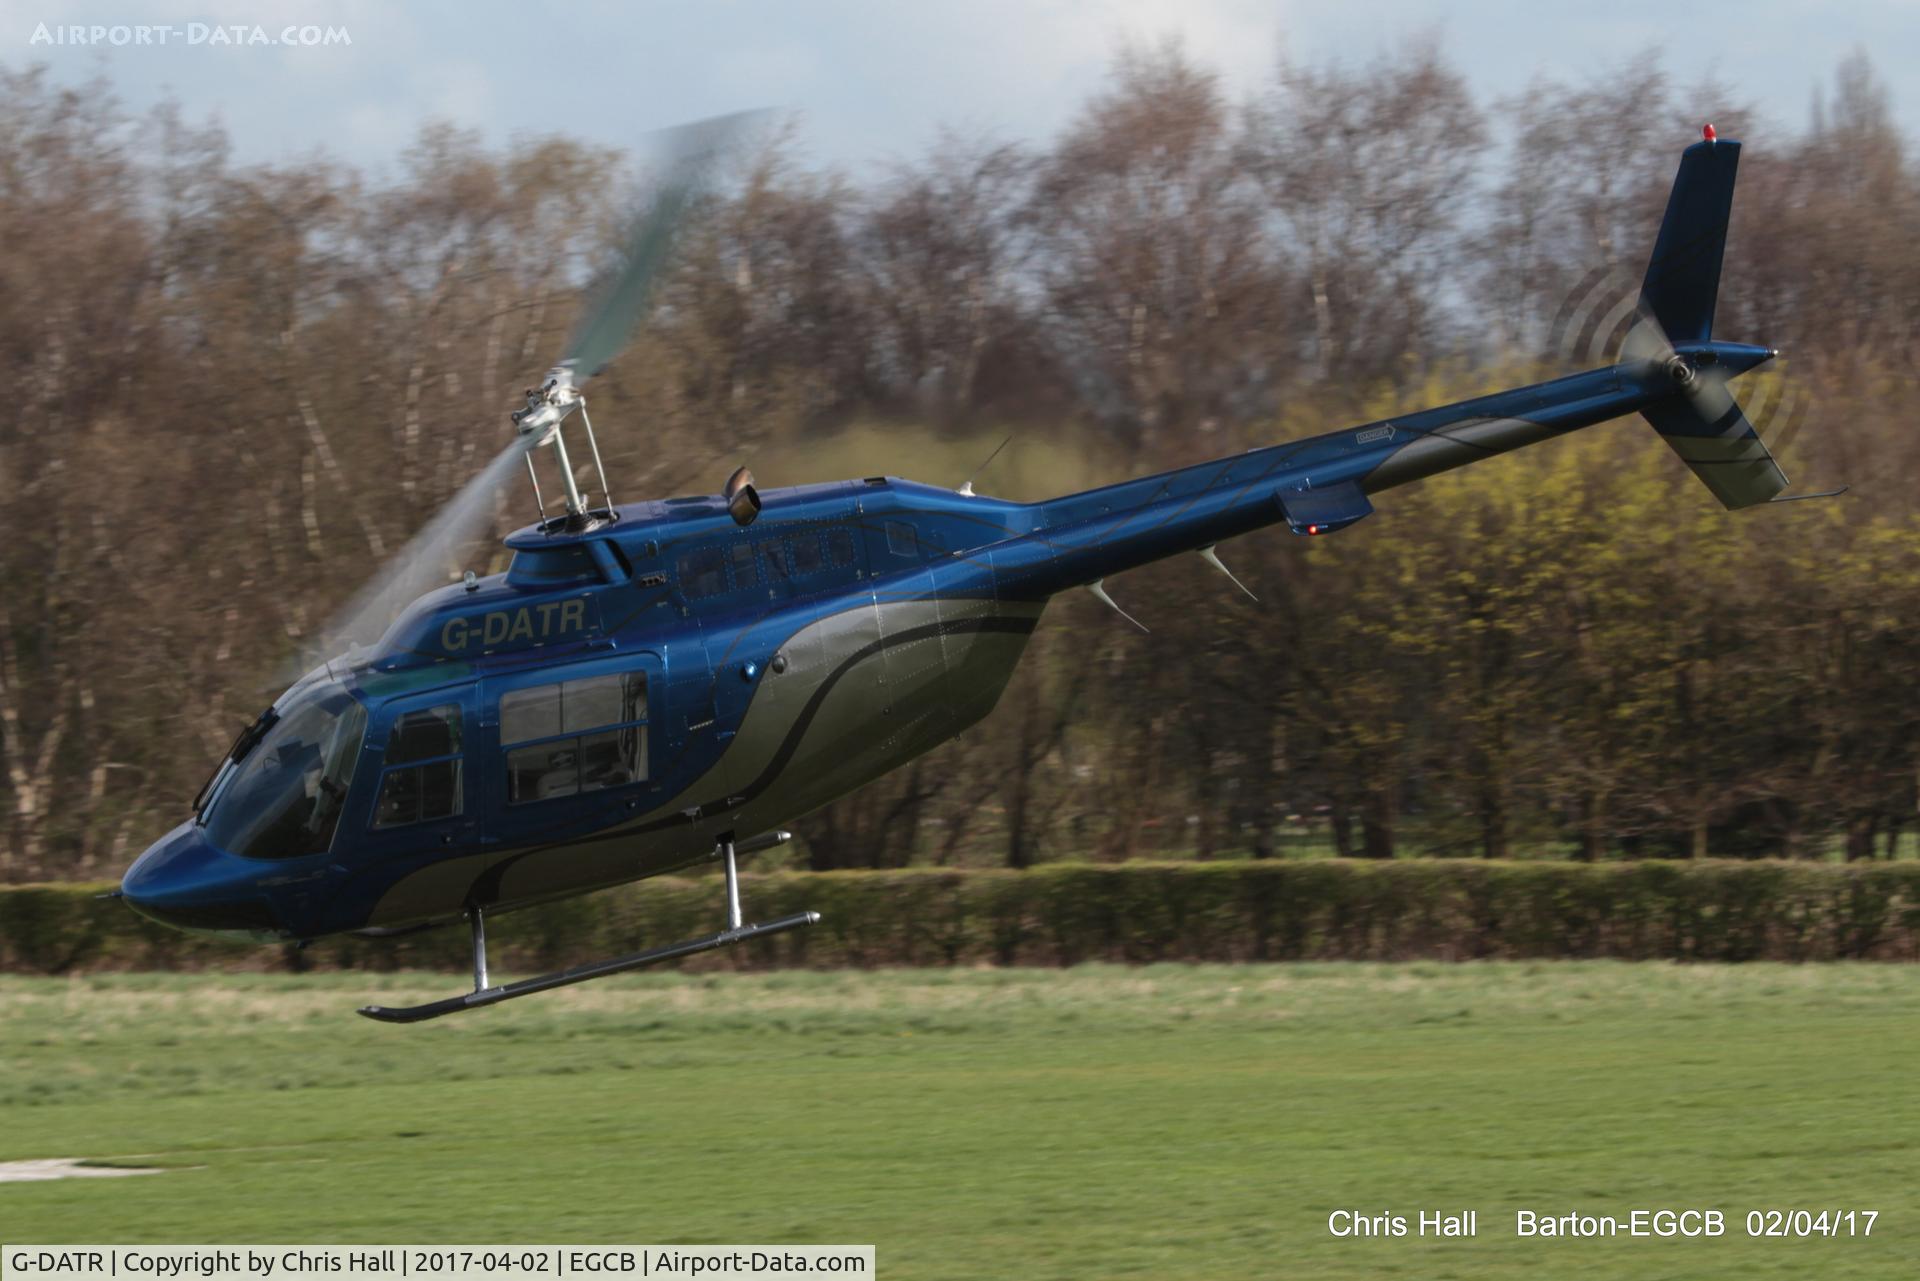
[1700, 420]
[1710, 432]
[1683, 277]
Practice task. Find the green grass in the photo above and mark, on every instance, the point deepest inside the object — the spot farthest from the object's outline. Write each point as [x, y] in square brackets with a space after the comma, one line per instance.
[1098, 1122]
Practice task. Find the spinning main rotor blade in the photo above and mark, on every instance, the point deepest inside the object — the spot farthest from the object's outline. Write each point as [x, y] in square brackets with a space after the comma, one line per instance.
[691, 153]
[429, 558]
[689, 156]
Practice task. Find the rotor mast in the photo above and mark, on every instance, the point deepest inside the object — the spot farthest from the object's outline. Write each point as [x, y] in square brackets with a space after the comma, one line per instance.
[619, 302]
[542, 422]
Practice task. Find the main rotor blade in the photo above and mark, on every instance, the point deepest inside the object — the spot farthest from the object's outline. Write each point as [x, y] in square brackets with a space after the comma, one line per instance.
[429, 558]
[690, 155]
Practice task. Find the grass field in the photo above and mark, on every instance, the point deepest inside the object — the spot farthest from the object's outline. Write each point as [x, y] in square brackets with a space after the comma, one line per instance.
[1098, 1122]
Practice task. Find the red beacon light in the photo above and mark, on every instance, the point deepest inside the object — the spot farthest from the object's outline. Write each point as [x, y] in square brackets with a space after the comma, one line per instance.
[1707, 132]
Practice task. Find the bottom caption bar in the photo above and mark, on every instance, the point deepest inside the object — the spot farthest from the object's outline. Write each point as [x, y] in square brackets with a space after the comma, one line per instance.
[426, 1262]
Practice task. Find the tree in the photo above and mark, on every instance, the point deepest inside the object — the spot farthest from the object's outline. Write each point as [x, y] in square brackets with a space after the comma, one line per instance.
[1158, 287]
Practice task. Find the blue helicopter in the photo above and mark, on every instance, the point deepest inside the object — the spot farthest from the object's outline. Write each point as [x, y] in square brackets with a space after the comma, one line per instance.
[653, 685]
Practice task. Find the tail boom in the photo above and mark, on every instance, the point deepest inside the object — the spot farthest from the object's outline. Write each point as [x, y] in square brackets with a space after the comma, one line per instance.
[1679, 383]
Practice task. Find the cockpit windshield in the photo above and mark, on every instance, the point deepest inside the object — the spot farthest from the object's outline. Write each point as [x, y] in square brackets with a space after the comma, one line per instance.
[285, 797]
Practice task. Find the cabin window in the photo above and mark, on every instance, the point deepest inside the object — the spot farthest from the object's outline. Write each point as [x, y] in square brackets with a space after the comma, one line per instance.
[283, 800]
[529, 713]
[571, 563]
[586, 734]
[703, 572]
[901, 540]
[773, 562]
[422, 779]
[840, 546]
[743, 558]
[806, 554]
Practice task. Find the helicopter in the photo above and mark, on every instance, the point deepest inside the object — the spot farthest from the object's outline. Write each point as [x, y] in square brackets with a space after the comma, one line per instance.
[654, 685]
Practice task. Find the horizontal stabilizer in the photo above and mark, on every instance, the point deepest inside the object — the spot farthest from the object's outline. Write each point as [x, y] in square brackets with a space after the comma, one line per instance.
[1321, 511]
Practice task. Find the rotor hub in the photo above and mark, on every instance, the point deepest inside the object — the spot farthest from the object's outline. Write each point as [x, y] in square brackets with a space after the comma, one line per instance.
[548, 406]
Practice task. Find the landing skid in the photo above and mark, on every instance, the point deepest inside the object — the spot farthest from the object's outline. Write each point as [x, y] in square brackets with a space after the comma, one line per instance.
[483, 994]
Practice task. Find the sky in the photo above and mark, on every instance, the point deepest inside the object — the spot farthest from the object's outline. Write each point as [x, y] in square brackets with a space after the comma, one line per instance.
[872, 82]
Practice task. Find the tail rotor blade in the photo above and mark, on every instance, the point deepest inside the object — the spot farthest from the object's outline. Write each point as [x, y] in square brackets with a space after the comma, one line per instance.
[1646, 340]
[691, 155]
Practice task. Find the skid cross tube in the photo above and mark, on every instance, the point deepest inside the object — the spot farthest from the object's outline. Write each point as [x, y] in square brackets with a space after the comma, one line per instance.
[482, 994]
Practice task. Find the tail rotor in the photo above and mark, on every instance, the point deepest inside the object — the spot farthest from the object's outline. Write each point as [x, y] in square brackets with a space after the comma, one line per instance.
[1661, 326]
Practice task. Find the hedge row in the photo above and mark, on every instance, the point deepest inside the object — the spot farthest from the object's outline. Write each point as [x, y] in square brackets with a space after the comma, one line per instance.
[1135, 912]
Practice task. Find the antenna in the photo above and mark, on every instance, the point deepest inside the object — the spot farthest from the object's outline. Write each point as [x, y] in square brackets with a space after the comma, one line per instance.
[966, 486]
[1212, 557]
[1099, 589]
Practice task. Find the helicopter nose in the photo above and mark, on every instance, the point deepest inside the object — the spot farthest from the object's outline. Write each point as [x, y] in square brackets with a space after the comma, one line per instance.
[184, 882]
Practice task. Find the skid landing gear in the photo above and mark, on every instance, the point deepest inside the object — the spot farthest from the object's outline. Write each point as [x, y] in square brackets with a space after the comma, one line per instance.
[483, 994]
